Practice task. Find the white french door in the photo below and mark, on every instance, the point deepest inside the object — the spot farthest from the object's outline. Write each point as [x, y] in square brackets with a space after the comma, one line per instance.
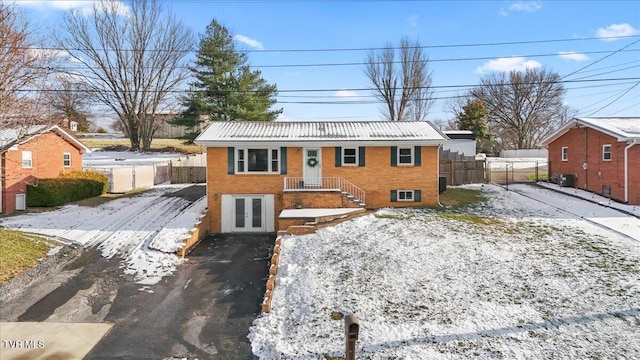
[247, 213]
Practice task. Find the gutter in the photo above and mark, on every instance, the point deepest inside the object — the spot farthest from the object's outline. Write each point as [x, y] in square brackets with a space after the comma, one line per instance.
[626, 169]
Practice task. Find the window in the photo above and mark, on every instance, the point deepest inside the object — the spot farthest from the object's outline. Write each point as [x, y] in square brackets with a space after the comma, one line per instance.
[606, 152]
[27, 162]
[565, 154]
[405, 195]
[258, 160]
[405, 156]
[350, 156]
[66, 159]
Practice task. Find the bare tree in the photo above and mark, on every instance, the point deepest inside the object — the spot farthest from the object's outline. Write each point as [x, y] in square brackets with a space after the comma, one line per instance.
[68, 97]
[23, 72]
[403, 85]
[523, 107]
[133, 59]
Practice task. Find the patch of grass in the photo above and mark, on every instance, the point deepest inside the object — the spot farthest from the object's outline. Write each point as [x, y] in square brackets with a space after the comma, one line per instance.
[471, 218]
[99, 200]
[20, 251]
[455, 197]
[336, 315]
[541, 177]
[168, 145]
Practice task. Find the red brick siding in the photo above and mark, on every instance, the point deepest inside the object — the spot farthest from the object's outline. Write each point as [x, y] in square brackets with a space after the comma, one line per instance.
[377, 178]
[585, 145]
[47, 162]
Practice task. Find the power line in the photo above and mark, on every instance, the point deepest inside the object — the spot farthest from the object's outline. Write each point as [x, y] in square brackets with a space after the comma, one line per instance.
[442, 46]
[616, 99]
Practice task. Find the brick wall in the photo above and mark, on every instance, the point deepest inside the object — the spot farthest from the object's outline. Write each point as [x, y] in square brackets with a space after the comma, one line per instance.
[47, 162]
[377, 178]
[585, 146]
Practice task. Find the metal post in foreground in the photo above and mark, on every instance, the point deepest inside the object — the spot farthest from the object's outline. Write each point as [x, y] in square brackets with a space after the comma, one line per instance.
[351, 331]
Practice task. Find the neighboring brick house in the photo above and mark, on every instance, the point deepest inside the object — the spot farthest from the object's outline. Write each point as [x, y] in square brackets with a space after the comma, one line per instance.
[257, 169]
[601, 155]
[42, 152]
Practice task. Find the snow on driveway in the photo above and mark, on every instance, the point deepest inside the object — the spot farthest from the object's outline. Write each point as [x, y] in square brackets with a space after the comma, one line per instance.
[513, 278]
[124, 228]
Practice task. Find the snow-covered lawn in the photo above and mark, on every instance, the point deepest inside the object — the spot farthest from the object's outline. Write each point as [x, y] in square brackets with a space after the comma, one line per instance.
[143, 231]
[513, 278]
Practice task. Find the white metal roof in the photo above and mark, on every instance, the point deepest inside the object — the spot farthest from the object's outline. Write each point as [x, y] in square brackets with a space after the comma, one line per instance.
[232, 132]
[623, 129]
[13, 136]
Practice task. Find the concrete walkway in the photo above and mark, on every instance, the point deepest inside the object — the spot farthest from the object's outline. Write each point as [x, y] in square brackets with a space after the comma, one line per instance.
[45, 340]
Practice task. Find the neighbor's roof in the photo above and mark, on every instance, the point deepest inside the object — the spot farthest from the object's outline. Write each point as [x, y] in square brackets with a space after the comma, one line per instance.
[321, 133]
[623, 129]
[13, 136]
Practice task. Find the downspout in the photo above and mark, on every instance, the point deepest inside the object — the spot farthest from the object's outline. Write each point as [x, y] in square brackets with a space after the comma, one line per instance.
[586, 158]
[626, 169]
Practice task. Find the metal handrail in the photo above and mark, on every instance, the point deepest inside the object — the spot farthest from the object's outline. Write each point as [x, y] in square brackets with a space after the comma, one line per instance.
[324, 183]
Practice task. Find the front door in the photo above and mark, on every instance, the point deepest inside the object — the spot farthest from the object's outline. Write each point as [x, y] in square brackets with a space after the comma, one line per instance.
[312, 166]
[248, 213]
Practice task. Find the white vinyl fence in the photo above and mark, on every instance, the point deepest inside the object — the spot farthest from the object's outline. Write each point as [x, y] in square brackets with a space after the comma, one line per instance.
[124, 178]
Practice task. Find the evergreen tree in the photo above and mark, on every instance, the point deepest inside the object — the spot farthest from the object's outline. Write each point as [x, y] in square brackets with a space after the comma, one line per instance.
[473, 117]
[225, 88]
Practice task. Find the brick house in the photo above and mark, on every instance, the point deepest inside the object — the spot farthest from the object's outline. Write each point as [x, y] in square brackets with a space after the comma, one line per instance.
[255, 170]
[601, 155]
[43, 152]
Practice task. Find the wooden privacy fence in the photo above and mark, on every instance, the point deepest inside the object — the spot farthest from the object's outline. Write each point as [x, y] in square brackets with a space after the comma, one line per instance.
[188, 174]
[459, 172]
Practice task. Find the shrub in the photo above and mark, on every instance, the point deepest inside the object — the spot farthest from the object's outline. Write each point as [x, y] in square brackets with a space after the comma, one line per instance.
[66, 188]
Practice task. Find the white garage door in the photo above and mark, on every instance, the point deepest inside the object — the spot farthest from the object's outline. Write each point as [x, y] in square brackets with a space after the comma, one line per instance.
[247, 213]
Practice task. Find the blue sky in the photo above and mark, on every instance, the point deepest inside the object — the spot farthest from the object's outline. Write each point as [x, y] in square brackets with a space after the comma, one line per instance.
[267, 29]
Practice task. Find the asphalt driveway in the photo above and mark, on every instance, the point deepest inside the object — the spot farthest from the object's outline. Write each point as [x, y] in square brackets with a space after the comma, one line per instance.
[203, 311]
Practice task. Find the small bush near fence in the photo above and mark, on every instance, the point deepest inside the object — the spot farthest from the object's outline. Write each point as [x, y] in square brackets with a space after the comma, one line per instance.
[66, 188]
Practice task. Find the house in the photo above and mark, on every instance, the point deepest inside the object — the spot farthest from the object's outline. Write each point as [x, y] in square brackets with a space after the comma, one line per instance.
[35, 152]
[601, 155]
[462, 143]
[255, 170]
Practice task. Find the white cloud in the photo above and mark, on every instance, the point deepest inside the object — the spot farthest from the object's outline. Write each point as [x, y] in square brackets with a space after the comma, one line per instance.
[573, 56]
[248, 41]
[352, 95]
[522, 6]
[84, 7]
[517, 63]
[412, 21]
[613, 30]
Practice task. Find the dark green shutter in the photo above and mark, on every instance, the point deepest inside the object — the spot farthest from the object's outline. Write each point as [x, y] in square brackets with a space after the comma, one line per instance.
[394, 156]
[361, 156]
[338, 156]
[417, 154]
[283, 160]
[230, 160]
[394, 195]
[417, 195]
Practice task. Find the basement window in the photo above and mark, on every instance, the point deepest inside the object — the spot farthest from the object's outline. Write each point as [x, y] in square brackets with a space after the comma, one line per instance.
[405, 195]
[606, 152]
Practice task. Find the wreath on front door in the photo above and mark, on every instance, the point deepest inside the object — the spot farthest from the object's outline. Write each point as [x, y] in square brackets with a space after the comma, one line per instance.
[312, 162]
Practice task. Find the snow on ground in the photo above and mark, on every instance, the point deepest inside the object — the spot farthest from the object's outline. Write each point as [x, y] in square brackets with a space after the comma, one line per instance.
[513, 278]
[123, 228]
[598, 199]
[99, 158]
